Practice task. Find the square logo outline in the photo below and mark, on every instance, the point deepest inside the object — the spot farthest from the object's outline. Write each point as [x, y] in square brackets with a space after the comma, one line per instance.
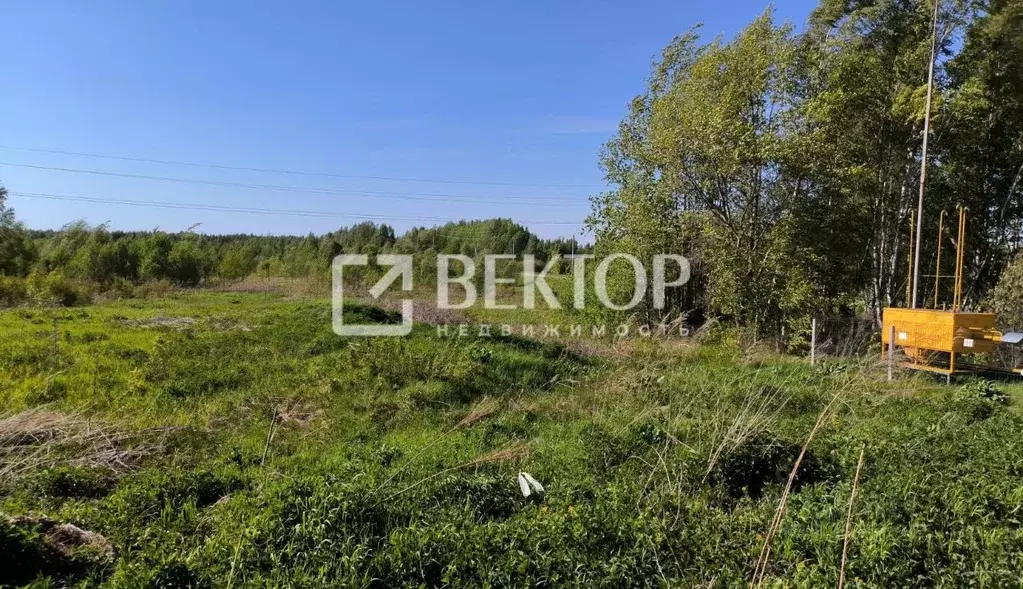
[401, 265]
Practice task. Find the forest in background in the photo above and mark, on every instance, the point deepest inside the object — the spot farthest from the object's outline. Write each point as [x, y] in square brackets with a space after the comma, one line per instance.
[67, 264]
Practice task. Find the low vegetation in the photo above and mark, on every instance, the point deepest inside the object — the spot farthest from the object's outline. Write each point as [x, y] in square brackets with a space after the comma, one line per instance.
[231, 439]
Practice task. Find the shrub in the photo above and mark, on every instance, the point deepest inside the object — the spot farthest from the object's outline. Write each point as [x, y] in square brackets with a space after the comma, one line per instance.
[56, 289]
[1006, 299]
[13, 291]
[980, 398]
[121, 288]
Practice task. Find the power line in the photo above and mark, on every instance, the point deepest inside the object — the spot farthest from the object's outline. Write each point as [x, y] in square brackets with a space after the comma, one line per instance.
[326, 191]
[294, 172]
[248, 210]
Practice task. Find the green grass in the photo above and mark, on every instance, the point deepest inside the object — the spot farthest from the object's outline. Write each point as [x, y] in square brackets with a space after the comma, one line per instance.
[374, 476]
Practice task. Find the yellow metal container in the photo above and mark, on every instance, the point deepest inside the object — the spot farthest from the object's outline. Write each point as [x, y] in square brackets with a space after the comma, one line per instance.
[932, 339]
[941, 331]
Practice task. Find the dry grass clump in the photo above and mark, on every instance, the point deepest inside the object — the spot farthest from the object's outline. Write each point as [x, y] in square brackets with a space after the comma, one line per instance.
[482, 410]
[760, 353]
[172, 322]
[756, 414]
[514, 451]
[39, 438]
[299, 412]
[261, 284]
[424, 310]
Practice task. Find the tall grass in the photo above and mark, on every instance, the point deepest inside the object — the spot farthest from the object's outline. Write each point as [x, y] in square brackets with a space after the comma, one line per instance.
[259, 448]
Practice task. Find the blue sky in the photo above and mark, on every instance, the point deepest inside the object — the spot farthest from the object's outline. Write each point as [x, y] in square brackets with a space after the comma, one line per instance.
[515, 96]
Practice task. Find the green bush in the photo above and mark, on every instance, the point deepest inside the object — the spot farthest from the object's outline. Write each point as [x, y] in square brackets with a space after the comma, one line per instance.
[764, 460]
[1006, 299]
[979, 398]
[121, 288]
[55, 289]
[13, 291]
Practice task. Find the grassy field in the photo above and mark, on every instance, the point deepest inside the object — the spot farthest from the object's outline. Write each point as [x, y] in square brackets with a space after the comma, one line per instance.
[222, 439]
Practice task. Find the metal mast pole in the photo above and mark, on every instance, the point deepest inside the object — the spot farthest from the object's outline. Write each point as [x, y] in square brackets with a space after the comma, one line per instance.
[923, 156]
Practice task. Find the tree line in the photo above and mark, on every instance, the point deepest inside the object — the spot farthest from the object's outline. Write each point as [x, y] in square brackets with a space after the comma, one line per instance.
[101, 256]
[786, 164]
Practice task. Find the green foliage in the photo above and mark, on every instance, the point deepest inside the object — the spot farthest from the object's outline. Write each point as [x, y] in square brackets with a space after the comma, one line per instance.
[13, 291]
[16, 250]
[186, 263]
[982, 157]
[27, 555]
[700, 167]
[784, 165]
[238, 262]
[1006, 299]
[111, 260]
[392, 460]
[56, 289]
[980, 398]
[23, 553]
[762, 461]
[74, 482]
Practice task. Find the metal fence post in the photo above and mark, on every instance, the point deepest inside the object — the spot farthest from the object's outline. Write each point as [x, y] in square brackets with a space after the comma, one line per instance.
[891, 350]
[813, 341]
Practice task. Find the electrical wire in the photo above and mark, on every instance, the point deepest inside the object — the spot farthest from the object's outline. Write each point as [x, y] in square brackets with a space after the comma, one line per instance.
[294, 172]
[323, 191]
[247, 210]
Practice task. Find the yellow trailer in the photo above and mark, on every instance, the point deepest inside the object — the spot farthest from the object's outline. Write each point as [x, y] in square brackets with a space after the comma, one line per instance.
[933, 339]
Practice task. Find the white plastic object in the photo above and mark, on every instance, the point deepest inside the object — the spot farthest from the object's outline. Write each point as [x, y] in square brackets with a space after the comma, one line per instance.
[530, 486]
